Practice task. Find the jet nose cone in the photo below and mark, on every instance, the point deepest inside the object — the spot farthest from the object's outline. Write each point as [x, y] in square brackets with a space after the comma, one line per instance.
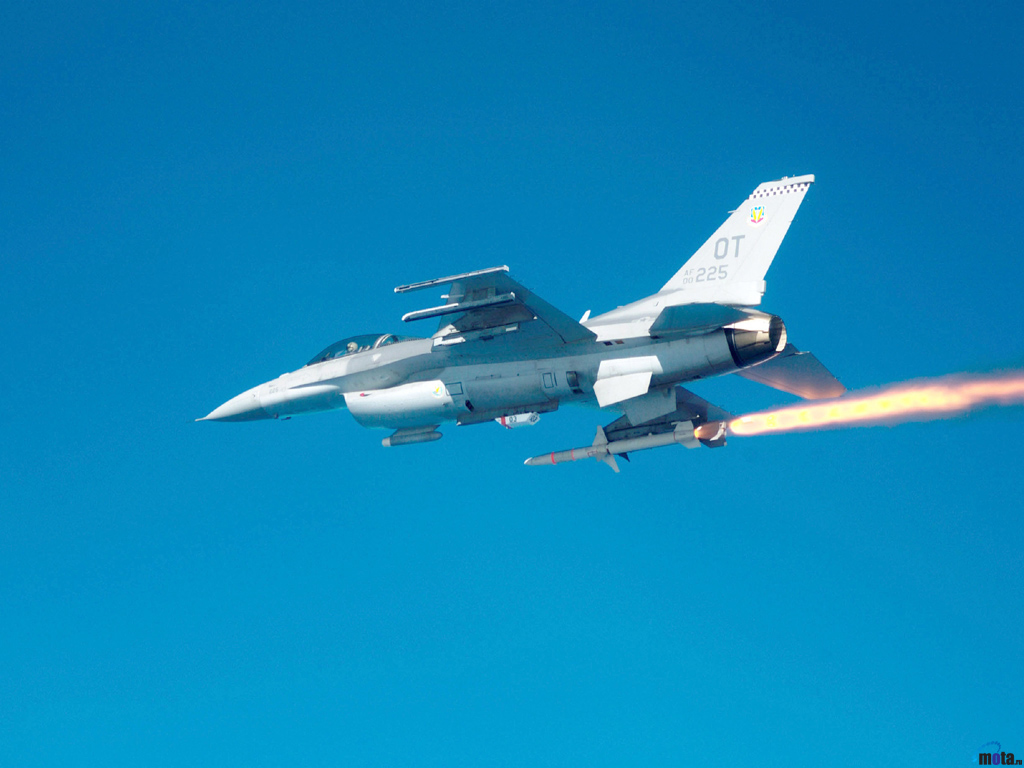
[243, 407]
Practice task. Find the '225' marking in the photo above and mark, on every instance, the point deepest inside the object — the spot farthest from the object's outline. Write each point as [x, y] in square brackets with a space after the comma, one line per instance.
[707, 274]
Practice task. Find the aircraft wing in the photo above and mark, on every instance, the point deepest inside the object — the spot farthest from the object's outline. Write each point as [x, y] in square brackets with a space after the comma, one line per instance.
[689, 407]
[485, 303]
[694, 421]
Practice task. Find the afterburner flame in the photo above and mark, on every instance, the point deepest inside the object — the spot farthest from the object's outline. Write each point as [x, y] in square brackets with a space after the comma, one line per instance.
[916, 401]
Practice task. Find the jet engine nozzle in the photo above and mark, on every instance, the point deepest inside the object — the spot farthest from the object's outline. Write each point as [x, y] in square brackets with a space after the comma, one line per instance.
[750, 345]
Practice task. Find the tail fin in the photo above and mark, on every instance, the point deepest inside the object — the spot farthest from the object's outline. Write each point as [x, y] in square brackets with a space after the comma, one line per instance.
[730, 267]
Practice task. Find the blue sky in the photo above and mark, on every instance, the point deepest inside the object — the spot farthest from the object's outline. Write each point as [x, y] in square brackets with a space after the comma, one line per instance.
[196, 198]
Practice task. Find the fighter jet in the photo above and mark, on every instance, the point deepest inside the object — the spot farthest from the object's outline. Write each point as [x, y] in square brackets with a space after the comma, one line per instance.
[502, 353]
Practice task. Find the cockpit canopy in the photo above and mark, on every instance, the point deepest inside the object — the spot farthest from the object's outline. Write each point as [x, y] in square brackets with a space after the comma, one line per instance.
[354, 344]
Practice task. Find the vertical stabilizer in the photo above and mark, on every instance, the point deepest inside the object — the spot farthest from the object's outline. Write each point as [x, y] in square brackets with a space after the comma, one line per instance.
[730, 267]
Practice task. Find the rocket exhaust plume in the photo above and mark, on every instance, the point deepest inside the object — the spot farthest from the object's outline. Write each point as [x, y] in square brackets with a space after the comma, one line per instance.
[922, 400]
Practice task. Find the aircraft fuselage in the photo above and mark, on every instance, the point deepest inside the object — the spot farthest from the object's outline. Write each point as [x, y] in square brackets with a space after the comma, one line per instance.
[501, 351]
[419, 383]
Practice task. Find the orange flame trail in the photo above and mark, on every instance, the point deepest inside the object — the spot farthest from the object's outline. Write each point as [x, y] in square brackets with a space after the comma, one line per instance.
[916, 401]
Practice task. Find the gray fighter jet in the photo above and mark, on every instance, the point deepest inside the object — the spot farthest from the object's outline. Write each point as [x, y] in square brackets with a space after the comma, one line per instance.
[503, 354]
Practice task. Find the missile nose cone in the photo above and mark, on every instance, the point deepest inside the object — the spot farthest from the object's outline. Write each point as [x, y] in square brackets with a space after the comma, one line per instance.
[543, 460]
[243, 407]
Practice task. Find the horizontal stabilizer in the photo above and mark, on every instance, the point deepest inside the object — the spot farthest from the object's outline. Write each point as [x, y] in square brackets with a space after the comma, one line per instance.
[695, 318]
[798, 373]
